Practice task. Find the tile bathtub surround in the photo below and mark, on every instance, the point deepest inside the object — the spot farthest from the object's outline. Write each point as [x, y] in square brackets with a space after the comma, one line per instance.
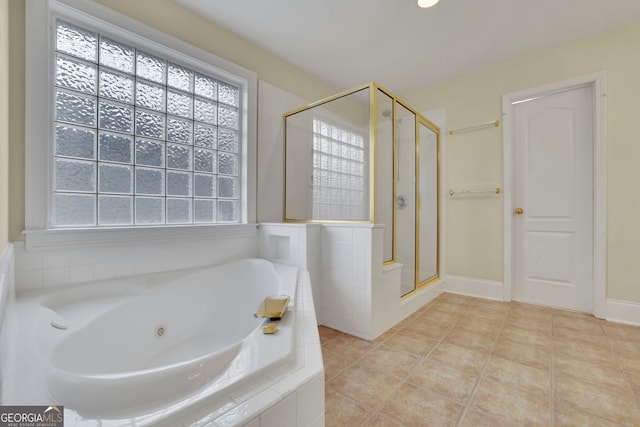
[463, 361]
[46, 268]
[291, 395]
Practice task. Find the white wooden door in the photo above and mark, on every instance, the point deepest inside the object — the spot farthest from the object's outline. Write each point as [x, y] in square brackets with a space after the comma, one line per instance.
[553, 200]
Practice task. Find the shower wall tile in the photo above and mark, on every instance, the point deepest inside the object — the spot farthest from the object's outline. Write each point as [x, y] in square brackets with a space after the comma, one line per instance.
[361, 311]
[347, 234]
[293, 244]
[361, 235]
[281, 243]
[345, 264]
[359, 278]
[340, 299]
[345, 289]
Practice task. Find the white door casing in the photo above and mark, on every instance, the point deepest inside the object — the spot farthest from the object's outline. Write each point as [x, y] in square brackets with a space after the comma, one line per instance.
[554, 162]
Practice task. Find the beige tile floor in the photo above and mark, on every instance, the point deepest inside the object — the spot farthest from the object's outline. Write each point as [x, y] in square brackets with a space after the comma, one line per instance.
[463, 361]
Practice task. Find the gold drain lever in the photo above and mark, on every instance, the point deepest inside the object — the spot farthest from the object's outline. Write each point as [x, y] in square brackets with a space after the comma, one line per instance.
[270, 328]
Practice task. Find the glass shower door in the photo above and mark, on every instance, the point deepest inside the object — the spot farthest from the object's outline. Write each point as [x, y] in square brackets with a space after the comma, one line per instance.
[427, 196]
[385, 209]
[406, 196]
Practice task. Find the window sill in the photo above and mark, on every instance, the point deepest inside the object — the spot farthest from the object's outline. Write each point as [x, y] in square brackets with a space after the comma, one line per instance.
[77, 238]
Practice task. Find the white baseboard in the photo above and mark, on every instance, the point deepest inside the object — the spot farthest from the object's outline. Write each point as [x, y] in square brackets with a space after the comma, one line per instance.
[475, 287]
[614, 311]
[622, 312]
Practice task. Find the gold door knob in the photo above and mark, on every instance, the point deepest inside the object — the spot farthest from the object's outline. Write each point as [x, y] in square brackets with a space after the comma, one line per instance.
[519, 211]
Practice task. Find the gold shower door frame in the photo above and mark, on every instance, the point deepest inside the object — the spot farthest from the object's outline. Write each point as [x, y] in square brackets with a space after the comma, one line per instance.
[373, 163]
[421, 120]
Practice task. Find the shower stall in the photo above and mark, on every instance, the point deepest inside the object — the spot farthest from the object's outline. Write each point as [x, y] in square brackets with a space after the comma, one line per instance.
[365, 156]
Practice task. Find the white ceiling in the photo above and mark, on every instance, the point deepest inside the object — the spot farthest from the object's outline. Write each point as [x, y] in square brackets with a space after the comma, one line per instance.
[403, 47]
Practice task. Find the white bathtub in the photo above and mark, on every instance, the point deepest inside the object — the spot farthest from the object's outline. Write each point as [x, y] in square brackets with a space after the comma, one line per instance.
[155, 349]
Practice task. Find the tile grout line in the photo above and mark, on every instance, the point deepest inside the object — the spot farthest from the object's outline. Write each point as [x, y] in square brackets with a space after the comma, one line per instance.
[581, 332]
[613, 355]
[405, 379]
[441, 340]
[408, 374]
[620, 366]
[371, 413]
[467, 406]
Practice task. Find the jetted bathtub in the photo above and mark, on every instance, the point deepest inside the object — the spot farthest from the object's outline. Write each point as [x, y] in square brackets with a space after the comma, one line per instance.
[150, 348]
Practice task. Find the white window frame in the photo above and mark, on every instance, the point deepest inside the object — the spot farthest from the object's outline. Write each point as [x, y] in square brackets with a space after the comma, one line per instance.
[39, 81]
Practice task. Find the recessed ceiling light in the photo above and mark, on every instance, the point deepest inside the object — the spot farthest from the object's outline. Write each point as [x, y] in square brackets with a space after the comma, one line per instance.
[427, 3]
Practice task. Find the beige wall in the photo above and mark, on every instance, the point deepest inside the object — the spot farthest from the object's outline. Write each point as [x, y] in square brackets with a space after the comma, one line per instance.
[474, 227]
[4, 124]
[171, 18]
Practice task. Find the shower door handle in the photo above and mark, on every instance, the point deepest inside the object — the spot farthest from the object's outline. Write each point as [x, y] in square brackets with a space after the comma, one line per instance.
[401, 202]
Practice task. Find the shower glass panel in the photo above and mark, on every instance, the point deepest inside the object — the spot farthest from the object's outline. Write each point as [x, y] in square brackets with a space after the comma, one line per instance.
[364, 155]
[405, 196]
[385, 212]
[427, 203]
[327, 155]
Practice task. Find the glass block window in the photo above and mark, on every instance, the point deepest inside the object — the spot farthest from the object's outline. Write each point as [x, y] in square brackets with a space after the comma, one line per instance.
[139, 139]
[338, 173]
